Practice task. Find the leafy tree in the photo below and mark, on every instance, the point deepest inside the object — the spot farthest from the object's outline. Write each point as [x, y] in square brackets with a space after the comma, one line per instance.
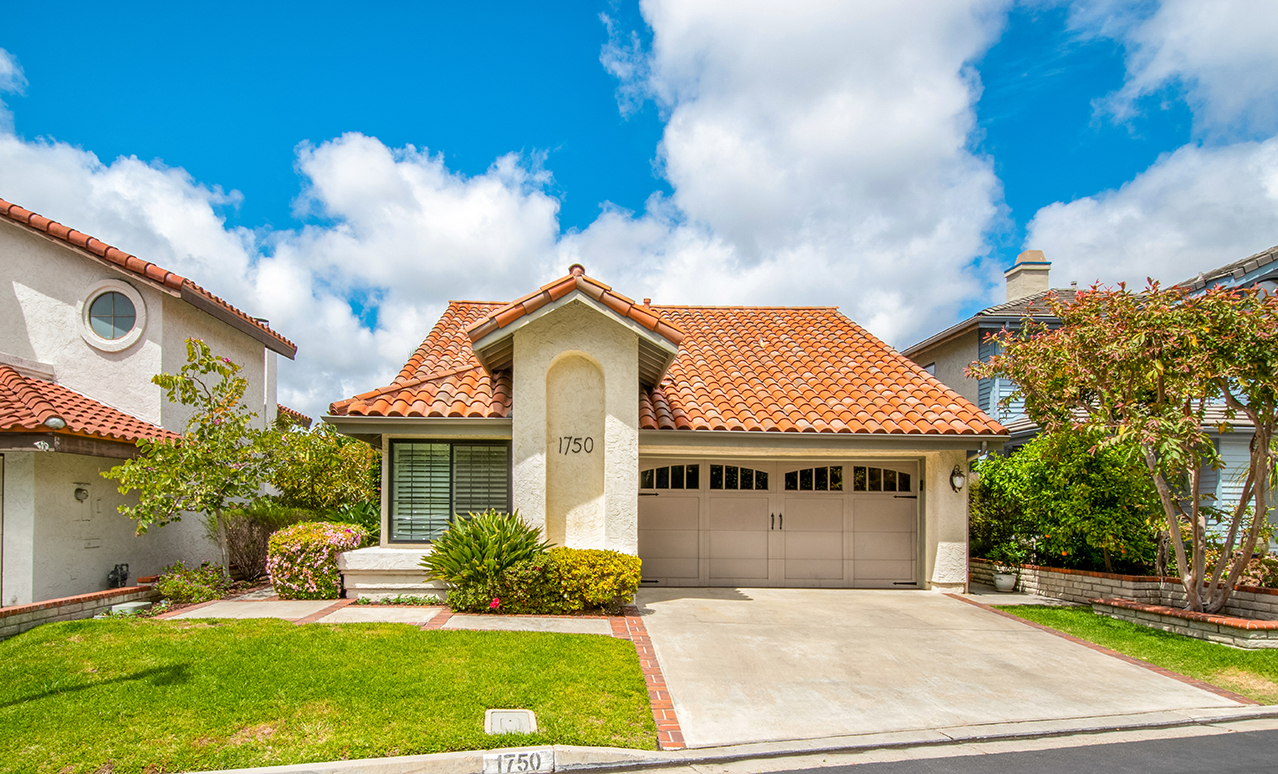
[1139, 370]
[321, 470]
[220, 459]
[1069, 501]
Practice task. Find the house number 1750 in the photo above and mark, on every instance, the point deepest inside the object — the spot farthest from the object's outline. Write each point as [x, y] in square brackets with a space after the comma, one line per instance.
[576, 444]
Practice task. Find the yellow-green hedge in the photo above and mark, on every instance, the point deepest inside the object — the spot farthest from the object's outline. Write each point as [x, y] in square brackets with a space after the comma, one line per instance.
[563, 582]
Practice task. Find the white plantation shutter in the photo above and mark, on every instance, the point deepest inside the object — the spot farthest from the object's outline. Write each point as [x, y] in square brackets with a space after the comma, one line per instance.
[481, 478]
[419, 491]
[432, 481]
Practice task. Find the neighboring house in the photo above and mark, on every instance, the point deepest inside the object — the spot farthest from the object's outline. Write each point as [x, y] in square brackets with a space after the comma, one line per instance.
[1233, 436]
[948, 354]
[726, 446]
[83, 328]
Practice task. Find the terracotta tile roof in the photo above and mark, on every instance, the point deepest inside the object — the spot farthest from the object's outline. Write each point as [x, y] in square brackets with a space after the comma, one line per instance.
[738, 368]
[575, 280]
[798, 370]
[292, 415]
[26, 404]
[443, 378]
[184, 287]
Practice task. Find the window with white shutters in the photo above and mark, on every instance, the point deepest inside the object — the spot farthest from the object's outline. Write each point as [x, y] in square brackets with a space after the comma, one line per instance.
[433, 482]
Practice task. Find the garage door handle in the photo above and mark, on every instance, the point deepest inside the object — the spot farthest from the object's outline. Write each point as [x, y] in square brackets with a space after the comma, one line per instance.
[781, 520]
[774, 521]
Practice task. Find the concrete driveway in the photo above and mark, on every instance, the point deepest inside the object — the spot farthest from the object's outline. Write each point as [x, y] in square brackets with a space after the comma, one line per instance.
[757, 665]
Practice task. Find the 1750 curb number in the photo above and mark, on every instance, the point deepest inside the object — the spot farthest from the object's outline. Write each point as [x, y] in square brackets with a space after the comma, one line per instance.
[528, 762]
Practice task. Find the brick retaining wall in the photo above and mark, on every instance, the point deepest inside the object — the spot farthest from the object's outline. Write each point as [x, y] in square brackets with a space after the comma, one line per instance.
[1227, 630]
[17, 619]
[1082, 587]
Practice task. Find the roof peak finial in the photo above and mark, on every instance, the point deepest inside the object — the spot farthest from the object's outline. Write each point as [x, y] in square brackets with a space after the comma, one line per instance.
[577, 270]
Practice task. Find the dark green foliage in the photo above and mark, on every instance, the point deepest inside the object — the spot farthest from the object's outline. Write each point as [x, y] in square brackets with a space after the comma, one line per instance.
[179, 583]
[248, 530]
[565, 581]
[1063, 500]
[366, 513]
[475, 550]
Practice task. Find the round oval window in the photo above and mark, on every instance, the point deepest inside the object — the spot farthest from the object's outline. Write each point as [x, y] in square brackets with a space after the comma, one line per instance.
[111, 315]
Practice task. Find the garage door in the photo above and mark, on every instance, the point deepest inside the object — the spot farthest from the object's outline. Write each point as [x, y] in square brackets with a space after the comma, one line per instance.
[720, 523]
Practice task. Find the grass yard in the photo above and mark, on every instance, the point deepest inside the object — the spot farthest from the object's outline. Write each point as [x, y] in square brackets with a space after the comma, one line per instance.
[1253, 674]
[162, 696]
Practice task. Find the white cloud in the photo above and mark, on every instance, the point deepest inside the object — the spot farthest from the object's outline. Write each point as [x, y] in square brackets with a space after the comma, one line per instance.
[12, 81]
[1192, 211]
[1222, 54]
[818, 154]
[1208, 203]
[407, 233]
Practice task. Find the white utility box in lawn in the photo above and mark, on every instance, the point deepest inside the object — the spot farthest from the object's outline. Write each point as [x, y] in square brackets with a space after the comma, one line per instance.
[510, 721]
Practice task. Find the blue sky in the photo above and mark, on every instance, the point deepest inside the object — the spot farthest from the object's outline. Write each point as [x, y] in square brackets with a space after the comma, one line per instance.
[344, 173]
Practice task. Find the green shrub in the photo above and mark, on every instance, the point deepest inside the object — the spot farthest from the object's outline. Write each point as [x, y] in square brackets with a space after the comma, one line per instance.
[474, 551]
[179, 583]
[1069, 502]
[367, 514]
[248, 532]
[302, 559]
[566, 581]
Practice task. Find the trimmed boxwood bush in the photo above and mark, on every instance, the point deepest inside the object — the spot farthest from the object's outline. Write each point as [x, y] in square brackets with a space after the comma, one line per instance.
[179, 583]
[566, 581]
[302, 559]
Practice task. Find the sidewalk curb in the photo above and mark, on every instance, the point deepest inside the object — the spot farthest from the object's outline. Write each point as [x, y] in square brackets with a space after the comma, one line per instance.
[570, 758]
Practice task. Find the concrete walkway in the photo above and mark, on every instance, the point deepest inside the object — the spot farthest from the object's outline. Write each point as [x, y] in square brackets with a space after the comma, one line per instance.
[758, 665]
[336, 611]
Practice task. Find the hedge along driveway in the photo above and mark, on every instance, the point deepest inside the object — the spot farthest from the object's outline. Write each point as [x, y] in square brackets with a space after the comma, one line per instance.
[182, 695]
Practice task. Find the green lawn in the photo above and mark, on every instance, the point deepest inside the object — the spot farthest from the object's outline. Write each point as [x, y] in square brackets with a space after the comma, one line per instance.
[1253, 674]
[166, 696]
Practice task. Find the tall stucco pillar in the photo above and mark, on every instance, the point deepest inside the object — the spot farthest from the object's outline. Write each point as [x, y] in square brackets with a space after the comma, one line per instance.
[18, 511]
[945, 548]
[575, 427]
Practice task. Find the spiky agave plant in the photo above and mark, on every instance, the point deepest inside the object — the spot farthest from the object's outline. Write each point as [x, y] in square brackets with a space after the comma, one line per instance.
[478, 548]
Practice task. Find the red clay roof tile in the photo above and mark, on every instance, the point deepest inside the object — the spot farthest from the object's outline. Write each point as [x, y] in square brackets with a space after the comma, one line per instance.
[26, 403]
[132, 263]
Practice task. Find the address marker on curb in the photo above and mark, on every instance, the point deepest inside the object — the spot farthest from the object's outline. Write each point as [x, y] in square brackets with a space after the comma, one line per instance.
[526, 761]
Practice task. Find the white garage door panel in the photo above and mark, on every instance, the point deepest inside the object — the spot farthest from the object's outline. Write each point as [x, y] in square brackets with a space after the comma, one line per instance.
[739, 538]
[876, 573]
[889, 546]
[812, 515]
[669, 538]
[885, 516]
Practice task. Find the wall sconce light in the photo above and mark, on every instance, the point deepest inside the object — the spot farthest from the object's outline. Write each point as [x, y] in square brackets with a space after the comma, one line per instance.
[81, 494]
[957, 479]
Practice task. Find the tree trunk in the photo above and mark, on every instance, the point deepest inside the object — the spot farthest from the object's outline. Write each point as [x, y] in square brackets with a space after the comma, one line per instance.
[1160, 556]
[1173, 528]
[1109, 565]
[221, 544]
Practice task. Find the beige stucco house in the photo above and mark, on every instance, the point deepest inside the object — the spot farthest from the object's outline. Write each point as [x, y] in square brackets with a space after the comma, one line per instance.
[726, 446]
[83, 328]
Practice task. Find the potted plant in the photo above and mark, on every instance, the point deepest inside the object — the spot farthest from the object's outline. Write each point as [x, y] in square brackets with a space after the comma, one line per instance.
[1007, 558]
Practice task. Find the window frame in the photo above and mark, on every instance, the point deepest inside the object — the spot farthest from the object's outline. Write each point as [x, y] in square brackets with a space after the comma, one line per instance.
[452, 479]
[91, 336]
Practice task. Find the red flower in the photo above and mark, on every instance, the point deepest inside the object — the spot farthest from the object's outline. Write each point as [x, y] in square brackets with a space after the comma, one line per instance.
[496, 603]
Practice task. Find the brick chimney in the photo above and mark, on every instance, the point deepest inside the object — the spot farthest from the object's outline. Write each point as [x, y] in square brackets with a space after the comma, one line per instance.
[1028, 276]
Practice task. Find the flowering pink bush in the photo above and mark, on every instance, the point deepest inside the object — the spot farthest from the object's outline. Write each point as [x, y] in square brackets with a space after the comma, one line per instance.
[302, 559]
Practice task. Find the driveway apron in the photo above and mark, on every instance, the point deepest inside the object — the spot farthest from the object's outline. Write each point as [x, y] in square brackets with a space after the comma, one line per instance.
[757, 665]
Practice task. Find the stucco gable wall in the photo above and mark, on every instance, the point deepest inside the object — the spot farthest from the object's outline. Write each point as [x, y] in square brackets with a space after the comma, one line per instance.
[42, 289]
[598, 502]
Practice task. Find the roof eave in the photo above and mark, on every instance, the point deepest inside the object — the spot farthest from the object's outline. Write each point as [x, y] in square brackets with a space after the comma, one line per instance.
[495, 350]
[204, 304]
